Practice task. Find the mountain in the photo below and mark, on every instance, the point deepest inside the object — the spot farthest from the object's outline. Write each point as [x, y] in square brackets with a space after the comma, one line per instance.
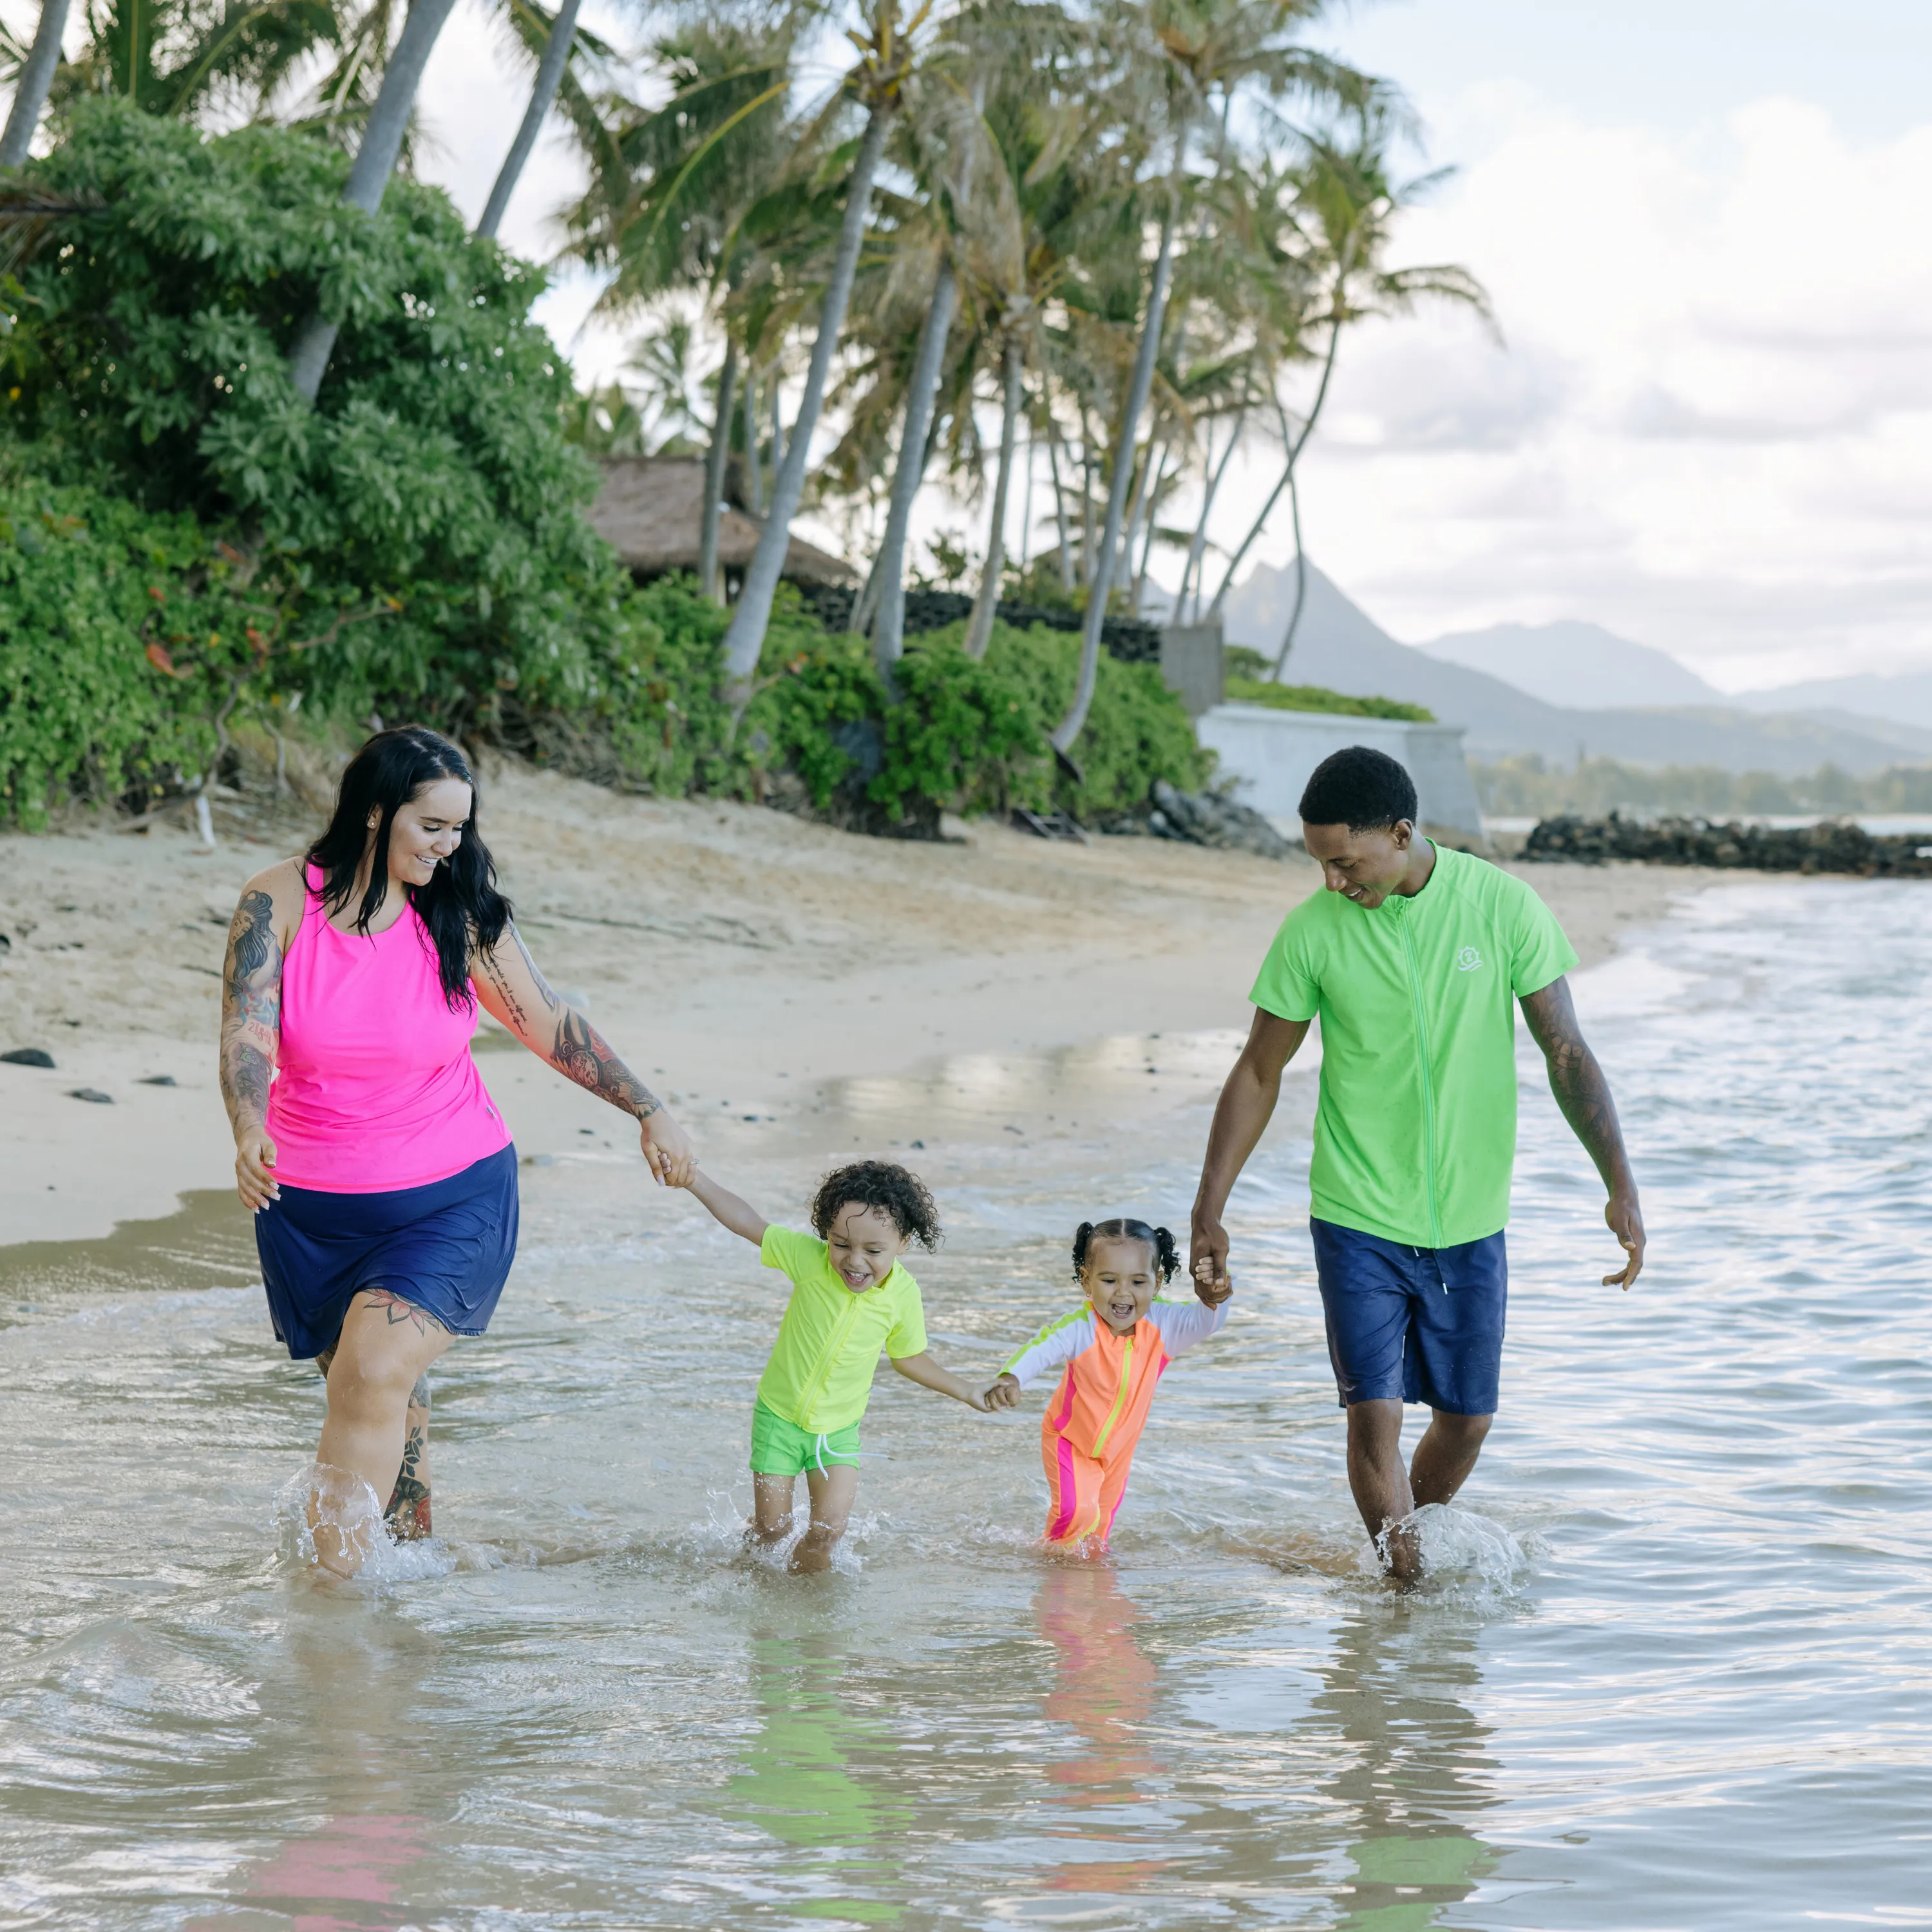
[1338, 645]
[1576, 665]
[1906, 699]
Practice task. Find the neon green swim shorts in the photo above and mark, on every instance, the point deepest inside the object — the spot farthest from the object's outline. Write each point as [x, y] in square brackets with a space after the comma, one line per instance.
[782, 1448]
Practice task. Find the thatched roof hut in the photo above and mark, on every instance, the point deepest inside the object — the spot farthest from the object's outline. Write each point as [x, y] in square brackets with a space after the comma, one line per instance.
[649, 509]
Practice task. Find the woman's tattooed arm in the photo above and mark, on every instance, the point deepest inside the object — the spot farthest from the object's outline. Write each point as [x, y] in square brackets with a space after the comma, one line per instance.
[511, 988]
[251, 1009]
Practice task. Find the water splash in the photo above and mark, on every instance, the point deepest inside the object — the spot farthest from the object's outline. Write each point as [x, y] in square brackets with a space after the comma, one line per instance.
[1465, 1556]
[342, 1497]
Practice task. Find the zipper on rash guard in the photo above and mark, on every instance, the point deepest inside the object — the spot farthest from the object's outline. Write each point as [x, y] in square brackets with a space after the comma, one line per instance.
[1428, 1085]
[1120, 1396]
[829, 1355]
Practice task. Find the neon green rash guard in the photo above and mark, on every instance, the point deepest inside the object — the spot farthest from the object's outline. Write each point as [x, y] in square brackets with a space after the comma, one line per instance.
[819, 1376]
[1415, 1135]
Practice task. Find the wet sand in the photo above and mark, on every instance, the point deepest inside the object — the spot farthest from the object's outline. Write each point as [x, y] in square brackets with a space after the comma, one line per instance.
[740, 959]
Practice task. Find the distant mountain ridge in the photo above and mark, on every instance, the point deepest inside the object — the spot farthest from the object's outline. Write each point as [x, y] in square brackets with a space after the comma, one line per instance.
[1905, 698]
[1338, 645]
[1578, 666]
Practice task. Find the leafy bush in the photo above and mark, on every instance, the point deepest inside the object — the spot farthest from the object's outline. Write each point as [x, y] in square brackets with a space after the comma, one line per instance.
[127, 638]
[147, 358]
[1318, 698]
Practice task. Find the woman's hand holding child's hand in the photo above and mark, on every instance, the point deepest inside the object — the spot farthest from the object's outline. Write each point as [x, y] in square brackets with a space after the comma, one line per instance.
[1004, 1393]
[1212, 1293]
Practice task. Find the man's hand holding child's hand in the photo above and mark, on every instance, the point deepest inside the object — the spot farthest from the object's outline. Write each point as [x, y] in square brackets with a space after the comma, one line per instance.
[1211, 1292]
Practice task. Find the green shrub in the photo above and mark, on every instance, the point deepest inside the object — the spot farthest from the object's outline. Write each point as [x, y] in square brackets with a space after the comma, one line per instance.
[147, 357]
[126, 637]
[1249, 683]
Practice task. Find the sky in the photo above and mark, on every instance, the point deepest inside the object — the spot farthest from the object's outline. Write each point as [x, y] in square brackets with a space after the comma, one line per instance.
[1704, 226]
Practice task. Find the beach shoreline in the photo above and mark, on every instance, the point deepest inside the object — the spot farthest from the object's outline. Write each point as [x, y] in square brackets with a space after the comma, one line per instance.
[750, 965]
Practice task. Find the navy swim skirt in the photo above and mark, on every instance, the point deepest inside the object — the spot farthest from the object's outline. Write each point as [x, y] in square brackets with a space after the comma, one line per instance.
[445, 1248]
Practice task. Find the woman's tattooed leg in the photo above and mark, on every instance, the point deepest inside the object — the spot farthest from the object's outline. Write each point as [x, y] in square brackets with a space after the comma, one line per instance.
[407, 1512]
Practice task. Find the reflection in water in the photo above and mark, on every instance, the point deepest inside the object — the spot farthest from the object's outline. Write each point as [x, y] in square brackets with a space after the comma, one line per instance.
[351, 1876]
[800, 1783]
[1413, 1772]
[1104, 1689]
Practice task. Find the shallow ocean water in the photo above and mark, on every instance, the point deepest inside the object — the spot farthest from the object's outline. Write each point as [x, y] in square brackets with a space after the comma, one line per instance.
[1673, 1669]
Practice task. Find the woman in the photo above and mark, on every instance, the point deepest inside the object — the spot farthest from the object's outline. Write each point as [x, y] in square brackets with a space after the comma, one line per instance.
[381, 1176]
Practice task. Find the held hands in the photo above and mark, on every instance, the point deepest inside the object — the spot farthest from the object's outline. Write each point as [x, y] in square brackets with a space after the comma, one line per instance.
[667, 1150]
[1212, 1290]
[1004, 1393]
[254, 1158]
[1208, 1262]
[1625, 1220]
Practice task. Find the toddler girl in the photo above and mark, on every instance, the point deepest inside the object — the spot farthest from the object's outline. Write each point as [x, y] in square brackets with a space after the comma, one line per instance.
[849, 1298]
[1114, 1350]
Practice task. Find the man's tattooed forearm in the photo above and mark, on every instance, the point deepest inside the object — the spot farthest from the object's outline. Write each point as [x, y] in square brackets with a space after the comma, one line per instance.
[582, 1053]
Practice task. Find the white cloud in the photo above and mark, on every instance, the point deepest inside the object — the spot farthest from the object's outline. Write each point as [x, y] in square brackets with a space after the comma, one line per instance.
[1709, 427]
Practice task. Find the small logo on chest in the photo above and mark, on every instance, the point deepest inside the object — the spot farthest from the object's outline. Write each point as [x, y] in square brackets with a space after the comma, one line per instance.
[1467, 960]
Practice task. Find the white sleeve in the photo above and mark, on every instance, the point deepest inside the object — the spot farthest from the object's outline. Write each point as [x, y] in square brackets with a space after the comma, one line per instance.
[1058, 1343]
[1182, 1324]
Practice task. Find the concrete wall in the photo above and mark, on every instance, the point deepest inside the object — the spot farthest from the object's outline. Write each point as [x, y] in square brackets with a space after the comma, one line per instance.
[1269, 754]
[1191, 665]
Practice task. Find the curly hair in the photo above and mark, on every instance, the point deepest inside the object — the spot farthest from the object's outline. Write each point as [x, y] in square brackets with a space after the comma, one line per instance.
[1166, 1255]
[895, 1192]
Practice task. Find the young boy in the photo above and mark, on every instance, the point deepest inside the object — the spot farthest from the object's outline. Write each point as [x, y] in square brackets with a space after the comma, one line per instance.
[849, 1298]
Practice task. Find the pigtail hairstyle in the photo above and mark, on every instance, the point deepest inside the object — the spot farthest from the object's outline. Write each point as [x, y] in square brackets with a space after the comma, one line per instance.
[460, 907]
[1166, 1255]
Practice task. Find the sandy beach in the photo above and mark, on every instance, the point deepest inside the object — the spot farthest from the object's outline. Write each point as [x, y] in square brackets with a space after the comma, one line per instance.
[743, 958]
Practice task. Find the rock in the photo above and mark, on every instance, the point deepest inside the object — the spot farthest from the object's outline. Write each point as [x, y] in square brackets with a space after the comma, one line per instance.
[157, 1080]
[1832, 845]
[93, 1094]
[1205, 818]
[28, 1056]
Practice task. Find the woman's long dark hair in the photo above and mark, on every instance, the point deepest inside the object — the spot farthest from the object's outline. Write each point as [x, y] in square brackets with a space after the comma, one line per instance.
[460, 907]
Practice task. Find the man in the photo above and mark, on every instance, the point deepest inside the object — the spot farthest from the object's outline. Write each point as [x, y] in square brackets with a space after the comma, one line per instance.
[1411, 957]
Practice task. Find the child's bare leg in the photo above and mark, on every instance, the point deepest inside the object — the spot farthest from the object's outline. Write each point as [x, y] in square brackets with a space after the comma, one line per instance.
[831, 1495]
[771, 1507]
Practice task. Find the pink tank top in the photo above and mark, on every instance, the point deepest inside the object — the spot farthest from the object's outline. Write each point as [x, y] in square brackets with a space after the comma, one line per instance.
[375, 1088]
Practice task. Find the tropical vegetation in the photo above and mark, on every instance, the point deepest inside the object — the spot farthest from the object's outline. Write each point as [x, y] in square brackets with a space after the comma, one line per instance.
[278, 437]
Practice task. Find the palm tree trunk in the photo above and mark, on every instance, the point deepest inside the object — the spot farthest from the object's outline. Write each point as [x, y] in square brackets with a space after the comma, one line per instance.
[1299, 444]
[1196, 570]
[375, 162]
[755, 468]
[1148, 535]
[746, 636]
[30, 90]
[1059, 503]
[550, 72]
[1300, 582]
[710, 584]
[979, 630]
[1086, 498]
[928, 364]
[1122, 566]
[1074, 722]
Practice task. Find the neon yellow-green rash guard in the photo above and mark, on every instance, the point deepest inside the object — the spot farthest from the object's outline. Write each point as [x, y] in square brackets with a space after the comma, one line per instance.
[819, 1376]
[1415, 1135]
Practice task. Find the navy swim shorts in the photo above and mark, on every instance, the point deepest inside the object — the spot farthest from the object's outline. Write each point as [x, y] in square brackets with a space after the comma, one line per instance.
[445, 1248]
[1416, 1324]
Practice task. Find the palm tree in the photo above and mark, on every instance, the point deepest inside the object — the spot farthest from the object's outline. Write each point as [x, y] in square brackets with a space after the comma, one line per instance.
[1351, 201]
[672, 190]
[30, 88]
[886, 49]
[1181, 58]
[562, 38]
[375, 162]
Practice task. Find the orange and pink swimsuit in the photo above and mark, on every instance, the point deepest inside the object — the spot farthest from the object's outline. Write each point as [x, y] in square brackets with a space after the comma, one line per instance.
[1088, 1435]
